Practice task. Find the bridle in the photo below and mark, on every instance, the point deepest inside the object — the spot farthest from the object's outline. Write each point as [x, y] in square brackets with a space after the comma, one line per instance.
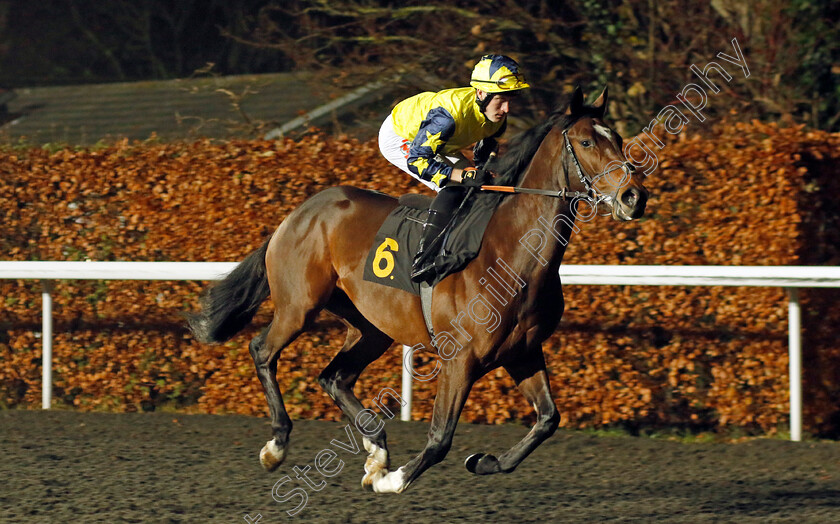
[591, 194]
[587, 183]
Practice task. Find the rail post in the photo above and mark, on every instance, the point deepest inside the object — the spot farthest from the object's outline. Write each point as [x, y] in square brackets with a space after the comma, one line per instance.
[795, 363]
[405, 410]
[46, 341]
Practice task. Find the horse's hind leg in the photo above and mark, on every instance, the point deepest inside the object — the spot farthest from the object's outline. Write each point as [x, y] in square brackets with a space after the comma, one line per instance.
[364, 344]
[265, 349]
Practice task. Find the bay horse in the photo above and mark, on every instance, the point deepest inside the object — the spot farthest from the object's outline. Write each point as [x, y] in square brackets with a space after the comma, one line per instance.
[315, 260]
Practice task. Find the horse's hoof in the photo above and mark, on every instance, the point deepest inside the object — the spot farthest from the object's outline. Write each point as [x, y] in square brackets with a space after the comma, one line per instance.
[272, 455]
[482, 464]
[371, 477]
[472, 461]
[389, 482]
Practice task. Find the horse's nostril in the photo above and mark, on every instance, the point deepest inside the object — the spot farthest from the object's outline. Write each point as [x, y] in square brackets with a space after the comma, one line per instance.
[630, 197]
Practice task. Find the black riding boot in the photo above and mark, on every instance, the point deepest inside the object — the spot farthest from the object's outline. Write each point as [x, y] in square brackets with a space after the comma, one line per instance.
[440, 212]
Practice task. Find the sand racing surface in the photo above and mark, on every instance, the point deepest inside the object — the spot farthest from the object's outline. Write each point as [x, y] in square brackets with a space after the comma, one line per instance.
[61, 466]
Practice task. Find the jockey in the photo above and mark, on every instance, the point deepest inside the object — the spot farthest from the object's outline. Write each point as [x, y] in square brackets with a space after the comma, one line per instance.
[430, 124]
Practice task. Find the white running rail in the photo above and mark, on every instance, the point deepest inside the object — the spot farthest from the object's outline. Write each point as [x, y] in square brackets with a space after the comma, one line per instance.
[790, 277]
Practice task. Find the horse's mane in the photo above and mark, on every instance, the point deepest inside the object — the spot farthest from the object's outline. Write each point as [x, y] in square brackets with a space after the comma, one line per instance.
[523, 147]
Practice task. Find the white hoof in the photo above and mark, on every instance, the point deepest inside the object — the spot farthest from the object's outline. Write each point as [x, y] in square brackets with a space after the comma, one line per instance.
[393, 482]
[272, 455]
[371, 477]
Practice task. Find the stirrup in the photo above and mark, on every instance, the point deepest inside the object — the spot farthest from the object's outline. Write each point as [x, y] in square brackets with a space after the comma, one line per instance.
[423, 266]
[423, 273]
[428, 244]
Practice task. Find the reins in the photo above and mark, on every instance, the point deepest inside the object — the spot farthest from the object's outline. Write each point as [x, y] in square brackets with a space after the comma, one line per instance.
[563, 193]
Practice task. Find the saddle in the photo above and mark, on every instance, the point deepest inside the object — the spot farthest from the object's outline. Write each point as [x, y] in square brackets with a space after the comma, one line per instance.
[392, 253]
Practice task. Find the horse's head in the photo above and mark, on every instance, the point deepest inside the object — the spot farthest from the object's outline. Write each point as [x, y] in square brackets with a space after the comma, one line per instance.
[595, 160]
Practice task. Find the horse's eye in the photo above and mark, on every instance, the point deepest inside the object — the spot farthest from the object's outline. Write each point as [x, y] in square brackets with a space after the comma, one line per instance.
[585, 143]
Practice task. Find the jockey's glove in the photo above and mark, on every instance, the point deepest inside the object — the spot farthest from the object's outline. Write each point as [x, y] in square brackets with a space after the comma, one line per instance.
[472, 177]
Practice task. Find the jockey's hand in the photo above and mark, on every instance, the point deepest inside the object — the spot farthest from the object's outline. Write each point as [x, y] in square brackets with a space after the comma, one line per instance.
[472, 177]
[483, 149]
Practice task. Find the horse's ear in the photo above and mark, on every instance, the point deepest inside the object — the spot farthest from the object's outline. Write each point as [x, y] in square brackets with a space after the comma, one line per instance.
[601, 103]
[576, 105]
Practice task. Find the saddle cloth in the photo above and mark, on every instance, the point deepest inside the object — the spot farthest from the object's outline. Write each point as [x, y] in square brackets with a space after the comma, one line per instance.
[392, 254]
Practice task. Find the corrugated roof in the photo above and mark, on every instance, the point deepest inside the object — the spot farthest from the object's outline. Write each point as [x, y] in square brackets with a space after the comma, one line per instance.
[172, 109]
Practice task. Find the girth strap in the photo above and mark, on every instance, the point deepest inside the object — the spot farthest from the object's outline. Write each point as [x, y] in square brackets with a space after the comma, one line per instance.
[426, 305]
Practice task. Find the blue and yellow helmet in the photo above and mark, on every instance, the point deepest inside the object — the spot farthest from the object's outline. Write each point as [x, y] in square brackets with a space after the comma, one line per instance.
[497, 74]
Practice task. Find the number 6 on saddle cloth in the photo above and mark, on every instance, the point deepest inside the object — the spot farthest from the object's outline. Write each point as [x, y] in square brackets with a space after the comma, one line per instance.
[391, 256]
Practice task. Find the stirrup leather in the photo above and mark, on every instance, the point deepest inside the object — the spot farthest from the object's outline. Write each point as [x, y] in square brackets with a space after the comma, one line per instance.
[424, 261]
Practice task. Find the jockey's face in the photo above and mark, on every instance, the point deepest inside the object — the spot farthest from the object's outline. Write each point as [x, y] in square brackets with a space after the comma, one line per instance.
[498, 107]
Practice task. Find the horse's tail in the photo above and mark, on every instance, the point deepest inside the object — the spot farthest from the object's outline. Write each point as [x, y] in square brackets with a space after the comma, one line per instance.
[228, 306]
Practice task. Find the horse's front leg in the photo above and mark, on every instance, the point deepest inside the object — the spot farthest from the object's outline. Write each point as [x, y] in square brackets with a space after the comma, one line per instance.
[532, 380]
[456, 380]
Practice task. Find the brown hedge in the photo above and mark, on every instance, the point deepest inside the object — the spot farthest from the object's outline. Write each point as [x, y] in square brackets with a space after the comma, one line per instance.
[744, 194]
